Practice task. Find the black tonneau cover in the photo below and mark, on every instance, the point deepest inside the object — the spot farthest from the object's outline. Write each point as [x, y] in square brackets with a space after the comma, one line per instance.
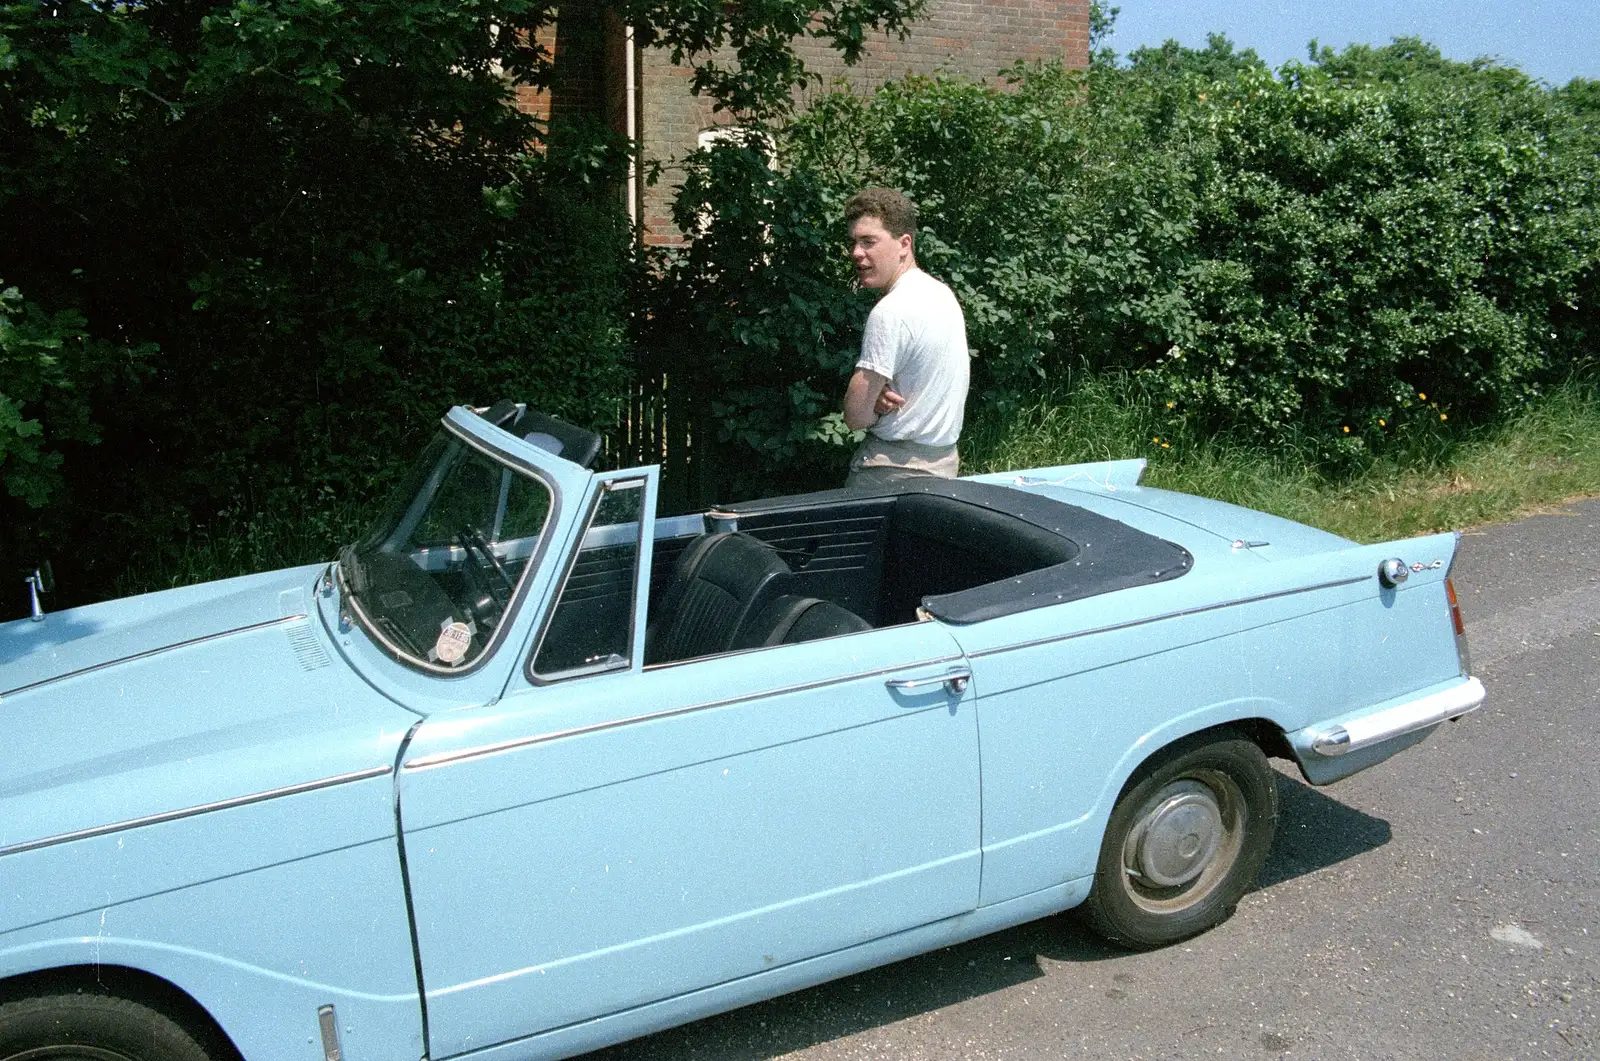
[1082, 554]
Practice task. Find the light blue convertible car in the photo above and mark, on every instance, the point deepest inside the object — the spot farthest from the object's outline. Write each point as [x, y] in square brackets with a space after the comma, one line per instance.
[528, 771]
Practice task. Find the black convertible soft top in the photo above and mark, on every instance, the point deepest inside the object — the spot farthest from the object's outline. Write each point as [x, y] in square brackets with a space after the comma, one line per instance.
[997, 551]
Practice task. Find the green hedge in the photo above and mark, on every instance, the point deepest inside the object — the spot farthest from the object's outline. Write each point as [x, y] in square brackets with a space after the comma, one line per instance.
[1327, 255]
[259, 248]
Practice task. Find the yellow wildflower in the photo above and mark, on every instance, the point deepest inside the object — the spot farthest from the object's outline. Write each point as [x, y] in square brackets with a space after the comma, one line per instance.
[1442, 416]
[1424, 397]
[1382, 422]
[1347, 429]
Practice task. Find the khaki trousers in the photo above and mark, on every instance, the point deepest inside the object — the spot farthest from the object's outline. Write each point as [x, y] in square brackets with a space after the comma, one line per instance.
[878, 461]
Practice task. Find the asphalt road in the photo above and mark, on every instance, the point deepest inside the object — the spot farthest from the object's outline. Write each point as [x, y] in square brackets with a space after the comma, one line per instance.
[1444, 905]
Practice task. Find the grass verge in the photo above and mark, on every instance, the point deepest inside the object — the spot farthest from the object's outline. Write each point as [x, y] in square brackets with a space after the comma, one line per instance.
[1548, 454]
[238, 543]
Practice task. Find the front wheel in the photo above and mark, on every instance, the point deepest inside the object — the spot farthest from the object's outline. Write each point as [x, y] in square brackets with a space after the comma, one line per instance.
[1184, 844]
[92, 1027]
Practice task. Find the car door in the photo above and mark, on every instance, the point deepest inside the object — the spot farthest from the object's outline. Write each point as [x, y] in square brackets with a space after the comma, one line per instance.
[607, 834]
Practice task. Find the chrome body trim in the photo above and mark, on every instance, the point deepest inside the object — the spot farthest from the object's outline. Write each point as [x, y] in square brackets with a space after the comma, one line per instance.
[1399, 720]
[1201, 609]
[442, 758]
[956, 681]
[189, 812]
[147, 653]
[328, 1024]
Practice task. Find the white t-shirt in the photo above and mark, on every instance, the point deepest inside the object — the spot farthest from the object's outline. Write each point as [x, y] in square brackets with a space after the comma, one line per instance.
[917, 338]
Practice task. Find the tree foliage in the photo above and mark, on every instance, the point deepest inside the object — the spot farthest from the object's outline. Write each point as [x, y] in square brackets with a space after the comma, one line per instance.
[44, 361]
[264, 242]
[318, 223]
[1337, 252]
[743, 54]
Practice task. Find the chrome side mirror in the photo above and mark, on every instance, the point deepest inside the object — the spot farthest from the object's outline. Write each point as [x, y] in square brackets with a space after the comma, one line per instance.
[43, 580]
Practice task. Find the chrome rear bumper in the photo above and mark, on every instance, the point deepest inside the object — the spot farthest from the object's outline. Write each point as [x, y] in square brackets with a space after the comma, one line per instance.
[1399, 720]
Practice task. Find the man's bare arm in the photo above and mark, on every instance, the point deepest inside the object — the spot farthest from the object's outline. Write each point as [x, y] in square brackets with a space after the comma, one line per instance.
[861, 399]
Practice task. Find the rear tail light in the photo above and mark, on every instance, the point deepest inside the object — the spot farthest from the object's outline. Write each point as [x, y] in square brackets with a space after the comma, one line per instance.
[1455, 608]
[1460, 626]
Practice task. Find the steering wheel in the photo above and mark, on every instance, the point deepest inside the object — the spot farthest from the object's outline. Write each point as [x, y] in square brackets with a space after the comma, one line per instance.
[481, 558]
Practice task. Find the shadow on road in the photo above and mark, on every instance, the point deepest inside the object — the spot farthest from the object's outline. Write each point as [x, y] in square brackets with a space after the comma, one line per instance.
[1314, 831]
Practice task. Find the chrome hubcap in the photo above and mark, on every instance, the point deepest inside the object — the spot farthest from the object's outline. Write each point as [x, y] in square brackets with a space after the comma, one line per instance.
[1178, 837]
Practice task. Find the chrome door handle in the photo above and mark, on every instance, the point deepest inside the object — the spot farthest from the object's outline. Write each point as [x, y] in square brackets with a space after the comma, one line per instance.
[956, 681]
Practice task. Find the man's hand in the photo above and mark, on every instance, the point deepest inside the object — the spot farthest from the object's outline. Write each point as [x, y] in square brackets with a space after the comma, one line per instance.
[888, 401]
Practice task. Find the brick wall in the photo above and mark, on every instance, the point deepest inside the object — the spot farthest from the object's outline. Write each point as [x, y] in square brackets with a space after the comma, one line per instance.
[975, 38]
[585, 43]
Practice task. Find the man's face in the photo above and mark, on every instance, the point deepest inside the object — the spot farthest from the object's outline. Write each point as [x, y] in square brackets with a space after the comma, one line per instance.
[879, 257]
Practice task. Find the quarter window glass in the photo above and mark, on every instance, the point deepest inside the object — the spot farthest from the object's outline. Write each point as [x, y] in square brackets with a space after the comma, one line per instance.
[592, 627]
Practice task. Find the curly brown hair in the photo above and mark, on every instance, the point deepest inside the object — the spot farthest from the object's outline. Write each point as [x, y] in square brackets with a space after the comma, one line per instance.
[898, 214]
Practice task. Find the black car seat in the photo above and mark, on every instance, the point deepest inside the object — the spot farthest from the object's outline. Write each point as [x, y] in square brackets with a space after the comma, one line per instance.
[789, 620]
[720, 582]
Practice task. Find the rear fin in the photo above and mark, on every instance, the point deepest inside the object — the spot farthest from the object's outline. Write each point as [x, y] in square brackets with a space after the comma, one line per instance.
[1108, 476]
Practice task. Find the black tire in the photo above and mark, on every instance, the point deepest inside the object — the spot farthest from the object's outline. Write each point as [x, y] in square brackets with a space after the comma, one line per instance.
[1184, 843]
[92, 1027]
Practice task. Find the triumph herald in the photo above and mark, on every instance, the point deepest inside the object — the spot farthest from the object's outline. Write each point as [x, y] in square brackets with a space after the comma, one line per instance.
[529, 770]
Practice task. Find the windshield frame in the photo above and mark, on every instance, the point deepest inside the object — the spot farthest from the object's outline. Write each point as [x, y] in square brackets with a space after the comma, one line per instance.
[350, 602]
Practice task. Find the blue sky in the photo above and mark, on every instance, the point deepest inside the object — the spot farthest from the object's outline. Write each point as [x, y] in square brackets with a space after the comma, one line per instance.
[1556, 40]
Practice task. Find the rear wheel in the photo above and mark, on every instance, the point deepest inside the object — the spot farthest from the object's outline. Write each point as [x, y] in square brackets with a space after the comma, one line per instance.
[1184, 843]
[91, 1027]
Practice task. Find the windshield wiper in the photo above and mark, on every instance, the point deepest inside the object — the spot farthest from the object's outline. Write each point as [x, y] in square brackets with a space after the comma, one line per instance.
[398, 633]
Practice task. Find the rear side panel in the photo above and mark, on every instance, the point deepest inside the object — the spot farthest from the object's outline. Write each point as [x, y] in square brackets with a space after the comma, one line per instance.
[1399, 653]
[1074, 698]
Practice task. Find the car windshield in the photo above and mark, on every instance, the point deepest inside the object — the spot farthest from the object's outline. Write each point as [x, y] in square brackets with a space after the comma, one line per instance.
[433, 578]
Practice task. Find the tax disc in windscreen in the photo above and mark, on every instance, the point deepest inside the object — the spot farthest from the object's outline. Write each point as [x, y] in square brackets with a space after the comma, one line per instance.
[454, 640]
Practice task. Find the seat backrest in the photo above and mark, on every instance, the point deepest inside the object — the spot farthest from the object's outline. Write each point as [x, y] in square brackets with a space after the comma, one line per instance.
[790, 619]
[720, 582]
[824, 619]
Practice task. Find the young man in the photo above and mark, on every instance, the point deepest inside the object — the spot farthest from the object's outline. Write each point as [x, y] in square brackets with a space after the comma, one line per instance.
[909, 390]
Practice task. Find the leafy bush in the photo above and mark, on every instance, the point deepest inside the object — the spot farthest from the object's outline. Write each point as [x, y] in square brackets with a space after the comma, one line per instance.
[756, 318]
[1334, 253]
[1380, 236]
[330, 221]
[44, 361]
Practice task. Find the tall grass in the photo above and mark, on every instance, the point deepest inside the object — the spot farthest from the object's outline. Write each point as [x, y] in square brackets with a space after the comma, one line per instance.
[1434, 481]
[238, 542]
